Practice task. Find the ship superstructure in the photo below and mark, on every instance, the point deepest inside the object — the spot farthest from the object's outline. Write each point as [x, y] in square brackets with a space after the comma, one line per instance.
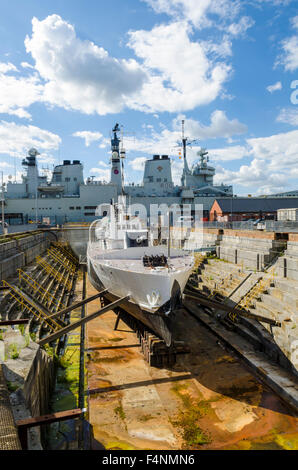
[67, 197]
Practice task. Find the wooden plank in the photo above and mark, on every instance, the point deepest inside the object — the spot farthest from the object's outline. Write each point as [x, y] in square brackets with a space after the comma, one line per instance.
[220, 306]
[24, 424]
[77, 304]
[21, 321]
[50, 418]
[80, 322]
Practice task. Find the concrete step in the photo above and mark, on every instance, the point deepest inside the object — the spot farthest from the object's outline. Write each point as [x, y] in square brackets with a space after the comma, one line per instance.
[292, 249]
[220, 270]
[246, 287]
[277, 304]
[291, 300]
[287, 285]
[292, 263]
[270, 312]
[292, 274]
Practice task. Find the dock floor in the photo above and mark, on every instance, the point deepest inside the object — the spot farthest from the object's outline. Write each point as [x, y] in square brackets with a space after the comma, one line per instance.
[208, 400]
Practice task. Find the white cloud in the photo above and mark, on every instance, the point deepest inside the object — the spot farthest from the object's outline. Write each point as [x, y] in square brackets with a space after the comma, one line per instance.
[274, 2]
[276, 86]
[79, 74]
[7, 67]
[26, 65]
[104, 143]
[88, 136]
[219, 49]
[220, 126]
[288, 116]
[138, 163]
[182, 76]
[294, 22]
[5, 165]
[255, 175]
[104, 164]
[240, 28]
[272, 161]
[17, 93]
[236, 152]
[274, 164]
[101, 173]
[165, 141]
[16, 140]
[289, 57]
[197, 12]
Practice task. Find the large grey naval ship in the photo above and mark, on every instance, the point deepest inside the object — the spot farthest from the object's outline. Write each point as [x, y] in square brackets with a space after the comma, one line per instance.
[68, 197]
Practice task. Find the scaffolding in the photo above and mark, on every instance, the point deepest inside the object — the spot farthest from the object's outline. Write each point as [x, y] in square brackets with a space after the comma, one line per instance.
[30, 305]
[49, 269]
[56, 255]
[64, 248]
[37, 288]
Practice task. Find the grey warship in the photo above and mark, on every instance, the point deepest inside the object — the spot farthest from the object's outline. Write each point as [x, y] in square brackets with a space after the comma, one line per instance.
[68, 197]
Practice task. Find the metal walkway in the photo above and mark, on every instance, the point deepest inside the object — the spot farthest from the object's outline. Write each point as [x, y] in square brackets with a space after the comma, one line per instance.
[9, 439]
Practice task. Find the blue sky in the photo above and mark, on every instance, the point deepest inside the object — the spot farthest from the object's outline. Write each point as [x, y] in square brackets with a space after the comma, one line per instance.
[70, 69]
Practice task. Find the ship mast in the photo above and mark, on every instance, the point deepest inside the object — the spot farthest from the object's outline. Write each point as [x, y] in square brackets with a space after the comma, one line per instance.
[184, 142]
[122, 157]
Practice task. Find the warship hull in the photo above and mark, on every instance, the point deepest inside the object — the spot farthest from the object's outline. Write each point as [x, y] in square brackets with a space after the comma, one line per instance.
[154, 294]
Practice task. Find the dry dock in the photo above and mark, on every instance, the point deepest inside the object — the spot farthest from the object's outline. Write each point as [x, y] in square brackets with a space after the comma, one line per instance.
[215, 397]
[208, 400]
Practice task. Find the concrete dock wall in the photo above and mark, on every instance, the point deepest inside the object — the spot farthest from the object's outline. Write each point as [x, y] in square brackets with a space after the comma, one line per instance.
[17, 253]
[252, 249]
[194, 239]
[287, 266]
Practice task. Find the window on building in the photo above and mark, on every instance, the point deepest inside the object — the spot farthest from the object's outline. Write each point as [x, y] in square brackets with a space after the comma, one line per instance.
[89, 213]
[165, 180]
[71, 208]
[67, 179]
[78, 208]
[90, 207]
[75, 179]
[158, 180]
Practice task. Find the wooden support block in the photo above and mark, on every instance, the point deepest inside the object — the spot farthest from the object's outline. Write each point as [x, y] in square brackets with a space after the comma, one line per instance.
[24, 424]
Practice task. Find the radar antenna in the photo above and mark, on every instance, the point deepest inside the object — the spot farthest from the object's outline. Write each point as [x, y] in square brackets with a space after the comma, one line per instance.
[202, 153]
[185, 142]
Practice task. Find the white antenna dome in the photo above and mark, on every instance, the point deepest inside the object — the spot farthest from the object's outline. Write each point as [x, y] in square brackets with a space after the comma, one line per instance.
[33, 152]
